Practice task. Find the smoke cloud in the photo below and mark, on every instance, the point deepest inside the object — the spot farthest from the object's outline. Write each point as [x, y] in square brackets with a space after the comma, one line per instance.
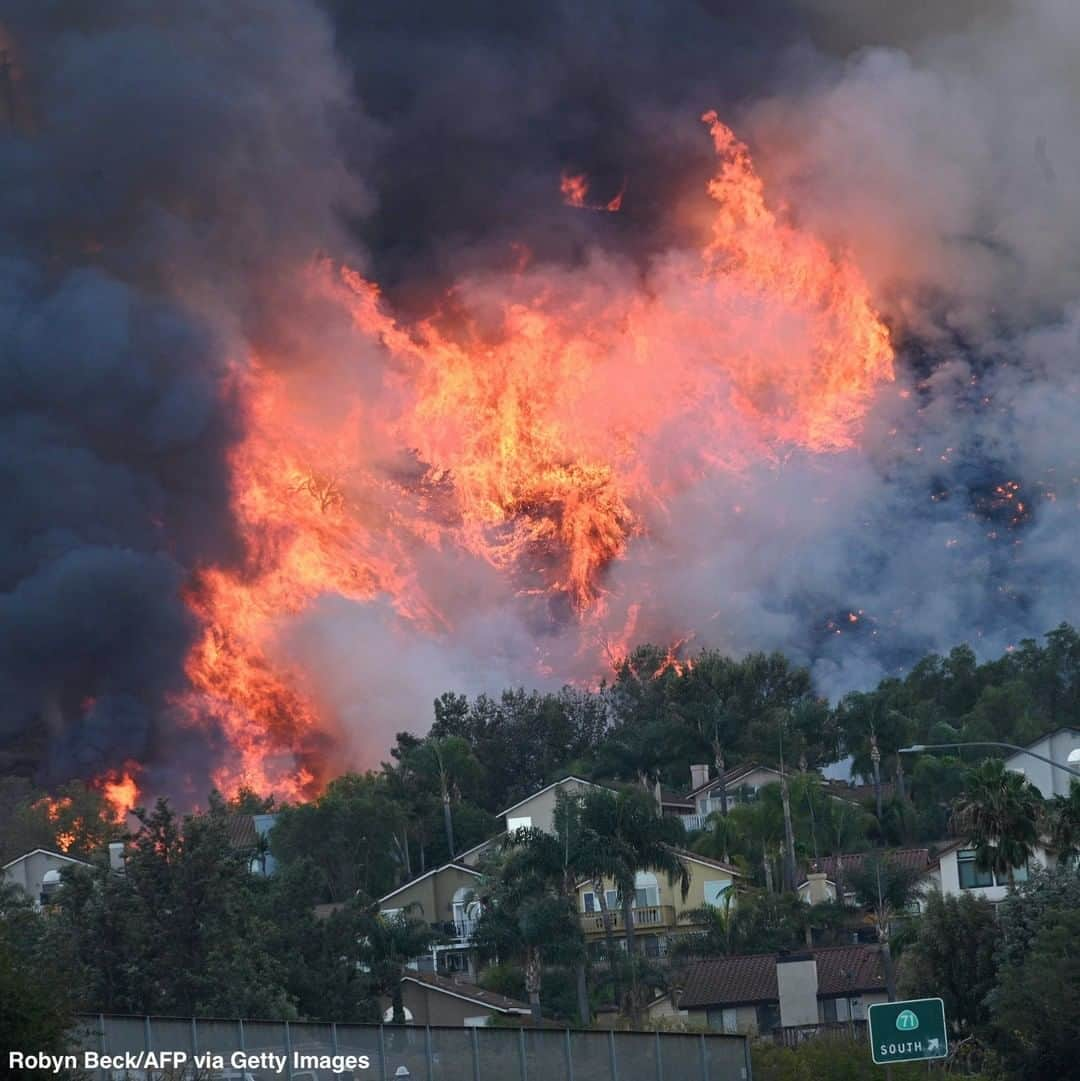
[172, 174]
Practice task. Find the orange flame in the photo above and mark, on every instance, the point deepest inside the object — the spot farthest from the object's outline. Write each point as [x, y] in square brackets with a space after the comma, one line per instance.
[575, 191]
[538, 417]
[120, 790]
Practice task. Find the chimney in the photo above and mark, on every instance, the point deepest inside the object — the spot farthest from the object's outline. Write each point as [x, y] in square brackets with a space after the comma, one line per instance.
[699, 774]
[116, 856]
[797, 983]
[817, 889]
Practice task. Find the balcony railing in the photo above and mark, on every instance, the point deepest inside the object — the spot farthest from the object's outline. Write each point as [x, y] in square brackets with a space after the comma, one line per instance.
[650, 916]
[793, 1035]
[695, 822]
[457, 930]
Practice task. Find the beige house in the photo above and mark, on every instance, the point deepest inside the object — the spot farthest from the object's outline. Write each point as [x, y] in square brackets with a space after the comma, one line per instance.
[445, 899]
[538, 810]
[435, 1000]
[39, 873]
[758, 994]
[660, 912]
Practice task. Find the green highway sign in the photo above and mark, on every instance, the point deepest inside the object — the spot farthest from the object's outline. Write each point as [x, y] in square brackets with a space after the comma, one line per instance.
[907, 1031]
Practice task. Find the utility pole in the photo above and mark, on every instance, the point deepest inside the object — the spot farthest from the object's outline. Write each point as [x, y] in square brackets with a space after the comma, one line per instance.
[789, 832]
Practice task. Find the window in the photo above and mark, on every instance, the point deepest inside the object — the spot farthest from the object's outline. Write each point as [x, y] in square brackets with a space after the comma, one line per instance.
[646, 890]
[588, 901]
[970, 874]
[768, 1017]
[971, 877]
[828, 1010]
[723, 1019]
[523, 823]
[392, 913]
[715, 889]
[591, 904]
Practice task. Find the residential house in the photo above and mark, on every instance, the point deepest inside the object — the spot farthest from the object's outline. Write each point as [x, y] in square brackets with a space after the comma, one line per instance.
[821, 880]
[1057, 746]
[660, 912]
[538, 810]
[740, 785]
[760, 993]
[445, 898]
[955, 872]
[430, 999]
[250, 834]
[39, 873]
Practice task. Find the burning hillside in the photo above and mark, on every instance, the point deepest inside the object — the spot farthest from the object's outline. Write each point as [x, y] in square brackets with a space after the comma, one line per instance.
[353, 355]
[535, 411]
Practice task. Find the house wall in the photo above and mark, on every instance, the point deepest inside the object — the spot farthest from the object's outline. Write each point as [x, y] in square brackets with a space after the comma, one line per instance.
[672, 895]
[757, 778]
[948, 878]
[540, 809]
[28, 872]
[434, 895]
[1048, 780]
[744, 1017]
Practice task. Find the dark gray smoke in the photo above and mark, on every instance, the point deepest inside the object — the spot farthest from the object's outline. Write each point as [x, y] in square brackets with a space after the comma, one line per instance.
[160, 163]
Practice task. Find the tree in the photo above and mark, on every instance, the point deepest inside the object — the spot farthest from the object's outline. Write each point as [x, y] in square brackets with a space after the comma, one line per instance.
[887, 888]
[36, 1003]
[387, 945]
[178, 933]
[953, 957]
[1000, 814]
[1037, 1012]
[347, 834]
[526, 914]
[1034, 904]
[1064, 820]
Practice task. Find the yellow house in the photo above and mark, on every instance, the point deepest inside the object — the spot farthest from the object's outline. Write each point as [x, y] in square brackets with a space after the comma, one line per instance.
[660, 912]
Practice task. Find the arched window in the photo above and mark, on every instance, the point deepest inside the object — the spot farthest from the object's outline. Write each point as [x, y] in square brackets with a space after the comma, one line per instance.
[646, 890]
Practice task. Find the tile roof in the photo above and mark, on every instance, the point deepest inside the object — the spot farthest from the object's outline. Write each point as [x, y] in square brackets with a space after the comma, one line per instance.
[241, 831]
[918, 858]
[729, 981]
[732, 777]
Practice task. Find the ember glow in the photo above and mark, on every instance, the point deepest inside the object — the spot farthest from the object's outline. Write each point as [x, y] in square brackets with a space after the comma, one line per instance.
[575, 191]
[546, 417]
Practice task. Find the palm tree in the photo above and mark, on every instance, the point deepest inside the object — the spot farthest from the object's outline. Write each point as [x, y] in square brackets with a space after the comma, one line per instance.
[1000, 813]
[527, 913]
[1064, 820]
[388, 945]
[887, 889]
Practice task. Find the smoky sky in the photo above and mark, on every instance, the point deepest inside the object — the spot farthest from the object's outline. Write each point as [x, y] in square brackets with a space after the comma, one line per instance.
[164, 164]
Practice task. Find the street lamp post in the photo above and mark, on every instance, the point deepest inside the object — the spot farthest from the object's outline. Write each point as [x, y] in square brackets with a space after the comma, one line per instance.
[918, 748]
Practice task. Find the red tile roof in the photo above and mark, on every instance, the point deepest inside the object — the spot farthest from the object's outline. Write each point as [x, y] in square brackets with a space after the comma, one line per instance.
[917, 858]
[730, 981]
[467, 990]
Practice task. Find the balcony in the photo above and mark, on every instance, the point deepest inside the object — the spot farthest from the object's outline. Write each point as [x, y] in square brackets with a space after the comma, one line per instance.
[649, 917]
[458, 932]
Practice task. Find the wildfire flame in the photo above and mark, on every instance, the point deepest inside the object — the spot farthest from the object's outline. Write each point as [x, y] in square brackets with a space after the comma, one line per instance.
[575, 191]
[120, 790]
[540, 417]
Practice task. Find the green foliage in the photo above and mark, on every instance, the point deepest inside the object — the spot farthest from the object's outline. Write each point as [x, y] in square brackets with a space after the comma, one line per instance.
[1037, 1010]
[387, 944]
[36, 1008]
[347, 835]
[1000, 812]
[953, 958]
[825, 1059]
[1031, 906]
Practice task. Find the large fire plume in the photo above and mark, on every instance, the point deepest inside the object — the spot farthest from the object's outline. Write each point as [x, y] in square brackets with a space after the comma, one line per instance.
[545, 416]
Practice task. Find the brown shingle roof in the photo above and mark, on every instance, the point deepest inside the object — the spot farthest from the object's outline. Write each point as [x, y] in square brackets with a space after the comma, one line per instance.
[241, 831]
[916, 858]
[730, 981]
[468, 990]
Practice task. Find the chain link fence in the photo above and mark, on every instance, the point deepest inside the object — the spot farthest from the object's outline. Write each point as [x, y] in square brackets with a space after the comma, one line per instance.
[409, 1052]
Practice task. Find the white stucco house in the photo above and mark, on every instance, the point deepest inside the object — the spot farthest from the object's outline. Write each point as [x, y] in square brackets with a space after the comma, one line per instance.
[39, 873]
[956, 873]
[1057, 746]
